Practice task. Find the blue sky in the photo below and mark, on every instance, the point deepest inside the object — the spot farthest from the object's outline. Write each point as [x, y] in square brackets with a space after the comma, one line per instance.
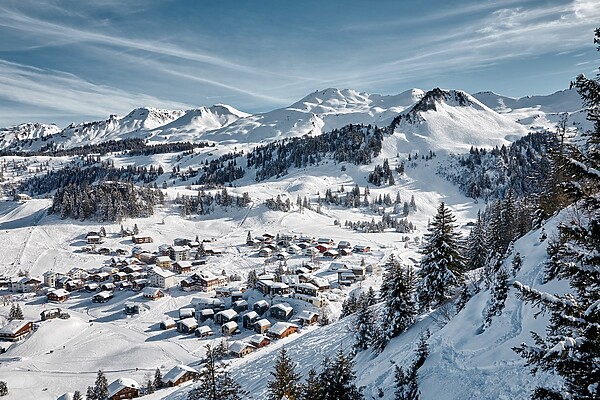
[63, 61]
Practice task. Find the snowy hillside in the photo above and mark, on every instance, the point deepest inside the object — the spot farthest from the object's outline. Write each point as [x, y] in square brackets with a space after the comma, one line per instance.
[20, 135]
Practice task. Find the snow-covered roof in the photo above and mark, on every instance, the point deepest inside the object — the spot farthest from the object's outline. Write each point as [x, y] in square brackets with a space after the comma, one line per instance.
[104, 295]
[150, 291]
[169, 322]
[307, 286]
[228, 313]
[66, 396]
[163, 273]
[238, 346]
[163, 259]
[279, 285]
[184, 264]
[177, 372]
[261, 303]
[280, 327]
[263, 322]
[240, 302]
[283, 306]
[60, 292]
[257, 338]
[13, 327]
[189, 322]
[120, 384]
[251, 314]
[306, 315]
[231, 325]
[179, 248]
[204, 329]
[207, 311]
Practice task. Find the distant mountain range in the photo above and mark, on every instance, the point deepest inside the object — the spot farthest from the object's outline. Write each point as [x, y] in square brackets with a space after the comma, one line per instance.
[442, 119]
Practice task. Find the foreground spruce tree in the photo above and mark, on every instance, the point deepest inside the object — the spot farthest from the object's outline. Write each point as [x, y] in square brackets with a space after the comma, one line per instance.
[214, 381]
[3, 388]
[89, 394]
[158, 382]
[77, 395]
[100, 390]
[571, 347]
[311, 389]
[285, 378]
[336, 380]
[364, 327]
[442, 264]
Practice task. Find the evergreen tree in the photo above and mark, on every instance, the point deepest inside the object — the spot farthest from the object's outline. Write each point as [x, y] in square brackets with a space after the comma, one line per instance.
[3, 388]
[214, 381]
[406, 384]
[516, 264]
[285, 379]
[371, 298]
[349, 306]
[11, 313]
[399, 309]
[89, 394]
[499, 293]
[477, 245]
[311, 389]
[18, 313]
[442, 264]
[336, 379]
[252, 279]
[101, 387]
[77, 395]
[150, 387]
[364, 327]
[158, 382]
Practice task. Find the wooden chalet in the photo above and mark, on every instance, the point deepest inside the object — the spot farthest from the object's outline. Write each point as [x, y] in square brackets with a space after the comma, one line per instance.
[361, 249]
[204, 331]
[281, 330]
[239, 306]
[259, 341]
[187, 325]
[178, 375]
[123, 388]
[306, 288]
[163, 262]
[187, 312]
[229, 328]
[262, 326]
[241, 349]
[249, 319]
[15, 330]
[58, 296]
[225, 316]
[261, 307]
[141, 239]
[307, 317]
[152, 293]
[168, 324]
[182, 267]
[281, 311]
[206, 314]
[203, 303]
[102, 297]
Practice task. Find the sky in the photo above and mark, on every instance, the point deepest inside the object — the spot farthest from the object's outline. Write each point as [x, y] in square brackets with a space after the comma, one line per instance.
[65, 61]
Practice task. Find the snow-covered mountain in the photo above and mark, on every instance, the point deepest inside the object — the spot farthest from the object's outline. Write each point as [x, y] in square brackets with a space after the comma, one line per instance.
[19, 135]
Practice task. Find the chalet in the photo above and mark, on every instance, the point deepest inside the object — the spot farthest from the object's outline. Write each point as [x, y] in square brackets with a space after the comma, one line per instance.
[139, 284]
[325, 242]
[91, 287]
[346, 277]
[74, 285]
[168, 324]
[361, 249]
[108, 286]
[279, 289]
[306, 239]
[316, 301]
[313, 251]
[181, 242]
[229, 328]
[236, 295]
[93, 239]
[187, 313]
[50, 314]
[105, 251]
[225, 316]
[321, 283]
[182, 267]
[294, 249]
[62, 281]
[334, 266]
[321, 248]
[58, 296]
[178, 375]
[187, 325]
[163, 262]
[119, 276]
[259, 341]
[203, 303]
[50, 278]
[102, 297]
[123, 285]
[206, 314]
[204, 331]
[304, 245]
[265, 252]
[209, 251]
[22, 197]
[132, 269]
[179, 253]
[161, 278]
[223, 292]
[15, 330]
[77, 273]
[141, 239]
[282, 255]
[282, 311]
[100, 276]
[331, 253]
[123, 388]
[260, 307]
[239, 306]
[25, 285]
[262, 325]
[249, 319]
[132, 308]
[267, 237]
[308, 317]
[345, 252]
[281, 330]
[205, 281]
[241, 349]
[146, 257]
[344, 244]
[152, 293]
[254, 242]
[290, 279]
[307, 288]
[360, 271]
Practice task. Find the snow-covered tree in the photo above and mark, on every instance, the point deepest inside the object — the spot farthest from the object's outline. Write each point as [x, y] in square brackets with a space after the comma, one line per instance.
[442, 264]
[158, 382]
[77, 395]
[214, 382]
[477, 245]
[3, 388]
[499, 293]
[311, 389]
[286, 381]
[150, 388]
[337, 377]
[364, 327]
[89, 394]
[101, 387]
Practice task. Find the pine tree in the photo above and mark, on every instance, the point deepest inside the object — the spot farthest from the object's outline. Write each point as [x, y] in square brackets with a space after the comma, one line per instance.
[364, 327]
[371, 298]
[336, 379]
[252, 279]
[89, 394]
[349, 306]
[158, 382]
[101, 387]
[11, 313]
[442, 264]
[77, 395]
[18, 314]
[516, 264]
[399, 308]
[405, 380]
[477, 245]
[499, 293]
[3, 388]
[214, 381]
[311, 389]
[285, 379]
[150, 387]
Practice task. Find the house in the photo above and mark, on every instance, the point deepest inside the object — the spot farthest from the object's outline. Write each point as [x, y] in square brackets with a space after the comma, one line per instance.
[294, 249]
[139, 284]
[25, 285]
[182, 267]
[168, 324]
[343, 244]
[236, 295]
[203, 303]
[282, 311]
[325, 242]
[161, 278]
[163, 262]
[146, 257]
[74, 285]
[102, 297]
[321, 283]
[15, 330]
[306, 239]
[108, 286]
[260, 307]
[179, 374]
[334, 266]
[205, 281]
[187, 313]
[264, 285]
[331, 253]
[229, 328]
[119, 276]
[100, 276]
[187, 325]
[308, 317]
[222, 317]
[152, 293]
[50, 314]
[141, 239]
[360, 271]
[239, 305]
[249, 319]
[91, 287]
[179, 253]
[262, 325]
[279, 289]
[265, 252]
[50, 278]
[22, 197]
[361, 249]
[307, 289]
[132, 308]
[241, 349]
[346, 277]
[320, 248]
[123, 388]
[281, 330]
[181, 242]
[223, 292]
[105, 251]
[66, 396]
[77, 273]
[204, 331]
[93, 239]
[125, 285]
[206, 314]
[259, 341]
[316, 301]
[58, 296]
[282, 255]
